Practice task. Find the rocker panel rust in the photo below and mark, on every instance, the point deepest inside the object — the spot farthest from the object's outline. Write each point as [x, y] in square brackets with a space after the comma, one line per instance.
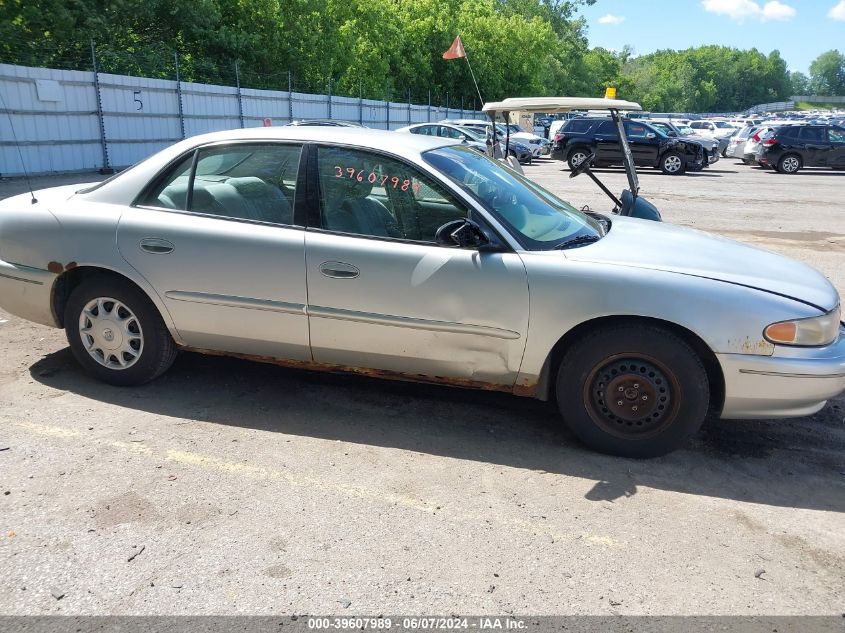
[463, 383]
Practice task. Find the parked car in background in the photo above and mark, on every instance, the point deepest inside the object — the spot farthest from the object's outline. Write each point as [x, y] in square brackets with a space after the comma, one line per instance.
[325, 122]
[534, 142]
[737, 142]
[474, 139]
[650, 147]
[791, 147]
[714, 129]
[711, 145]
[417, 258]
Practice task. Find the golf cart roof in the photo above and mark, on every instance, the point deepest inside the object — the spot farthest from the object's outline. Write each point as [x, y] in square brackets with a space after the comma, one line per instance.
[558, 104]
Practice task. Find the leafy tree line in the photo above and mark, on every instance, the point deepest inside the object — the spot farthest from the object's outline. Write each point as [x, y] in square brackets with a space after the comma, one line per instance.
[392, 49]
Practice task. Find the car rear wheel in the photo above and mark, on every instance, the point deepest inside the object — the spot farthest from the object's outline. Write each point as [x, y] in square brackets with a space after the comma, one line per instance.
[116, 333]
[632, 391]
[789, 164]
[577, 156]
[672, 164]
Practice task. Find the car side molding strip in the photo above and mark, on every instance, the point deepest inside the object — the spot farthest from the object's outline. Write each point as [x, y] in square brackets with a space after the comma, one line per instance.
[410, 322]
[236, 302]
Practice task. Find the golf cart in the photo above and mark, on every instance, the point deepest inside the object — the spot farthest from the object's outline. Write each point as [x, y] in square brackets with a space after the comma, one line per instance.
[629, 203]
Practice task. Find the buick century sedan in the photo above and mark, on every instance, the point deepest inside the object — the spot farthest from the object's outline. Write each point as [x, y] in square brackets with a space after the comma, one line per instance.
[419, 258]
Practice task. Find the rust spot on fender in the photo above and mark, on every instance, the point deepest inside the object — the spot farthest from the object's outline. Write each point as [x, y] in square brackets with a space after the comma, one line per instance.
[759, 347]
[464, 383]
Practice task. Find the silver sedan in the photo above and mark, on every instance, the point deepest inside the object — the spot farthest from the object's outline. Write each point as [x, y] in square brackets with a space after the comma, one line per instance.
[418, 258]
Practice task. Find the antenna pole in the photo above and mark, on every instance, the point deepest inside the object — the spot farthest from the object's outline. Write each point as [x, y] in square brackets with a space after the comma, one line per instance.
[105, 169]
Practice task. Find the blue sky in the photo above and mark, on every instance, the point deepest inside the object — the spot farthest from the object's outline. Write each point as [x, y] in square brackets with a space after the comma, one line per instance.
[799, 29]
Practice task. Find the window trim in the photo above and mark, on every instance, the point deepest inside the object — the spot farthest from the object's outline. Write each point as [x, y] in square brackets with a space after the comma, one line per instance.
[315, 220]
[155, 181]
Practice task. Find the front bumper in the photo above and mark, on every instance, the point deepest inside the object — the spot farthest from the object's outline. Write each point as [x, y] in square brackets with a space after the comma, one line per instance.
[797, 381]
[27, 292]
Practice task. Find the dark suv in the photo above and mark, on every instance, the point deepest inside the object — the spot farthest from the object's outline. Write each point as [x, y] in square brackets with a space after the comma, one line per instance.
[792, 147]
[578, 138]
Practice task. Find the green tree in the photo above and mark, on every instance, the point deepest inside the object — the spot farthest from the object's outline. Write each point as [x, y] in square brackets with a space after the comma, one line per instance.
[827, 74]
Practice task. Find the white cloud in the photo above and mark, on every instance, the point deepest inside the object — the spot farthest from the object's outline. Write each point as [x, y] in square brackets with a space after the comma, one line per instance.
[619, 19]
[837, 12]
[775, 10]
[740, 10]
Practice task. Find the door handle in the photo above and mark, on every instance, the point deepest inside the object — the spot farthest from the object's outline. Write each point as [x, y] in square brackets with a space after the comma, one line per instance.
[156, 246]
[339, 270]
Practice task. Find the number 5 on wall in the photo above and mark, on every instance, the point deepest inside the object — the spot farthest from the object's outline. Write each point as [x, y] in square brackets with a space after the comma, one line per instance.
[137, 99]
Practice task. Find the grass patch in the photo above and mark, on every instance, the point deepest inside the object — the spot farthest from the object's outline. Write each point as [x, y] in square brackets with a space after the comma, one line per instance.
[806, 105]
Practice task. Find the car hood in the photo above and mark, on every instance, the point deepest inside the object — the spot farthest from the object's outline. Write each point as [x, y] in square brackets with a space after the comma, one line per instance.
[704, 140]
[660, 246]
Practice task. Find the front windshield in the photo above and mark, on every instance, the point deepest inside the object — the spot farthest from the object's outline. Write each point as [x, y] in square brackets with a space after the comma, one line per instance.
[475, 135]
[685, 129]
[538, 219]
[722, 124]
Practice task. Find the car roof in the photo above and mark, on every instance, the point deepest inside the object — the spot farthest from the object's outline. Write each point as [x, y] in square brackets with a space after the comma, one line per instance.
[558, 104]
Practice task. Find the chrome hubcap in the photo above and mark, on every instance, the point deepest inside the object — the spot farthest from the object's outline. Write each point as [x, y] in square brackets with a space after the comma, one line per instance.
[578, 158]
[111, 333]
[672, 163]
[790, 164]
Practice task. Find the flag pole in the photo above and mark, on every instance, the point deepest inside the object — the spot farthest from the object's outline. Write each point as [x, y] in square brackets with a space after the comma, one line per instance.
[466, 57]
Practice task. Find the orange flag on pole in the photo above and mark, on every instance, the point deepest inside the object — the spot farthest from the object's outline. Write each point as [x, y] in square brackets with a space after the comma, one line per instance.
[456, 50]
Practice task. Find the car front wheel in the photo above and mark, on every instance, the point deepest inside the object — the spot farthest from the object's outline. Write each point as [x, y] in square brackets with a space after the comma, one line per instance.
[632, 391]
[672, 163]
[116, 333]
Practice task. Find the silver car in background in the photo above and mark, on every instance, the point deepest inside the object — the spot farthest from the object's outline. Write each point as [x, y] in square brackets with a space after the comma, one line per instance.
[418, 258]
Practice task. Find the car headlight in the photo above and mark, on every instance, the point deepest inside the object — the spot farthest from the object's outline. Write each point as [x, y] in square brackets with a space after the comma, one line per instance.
[812, 332]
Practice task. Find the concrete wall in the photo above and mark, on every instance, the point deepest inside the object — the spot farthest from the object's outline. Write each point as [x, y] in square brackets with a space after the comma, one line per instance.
[52, 116]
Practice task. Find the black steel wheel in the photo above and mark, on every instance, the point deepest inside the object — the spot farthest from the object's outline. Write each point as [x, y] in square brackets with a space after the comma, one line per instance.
[633, 391]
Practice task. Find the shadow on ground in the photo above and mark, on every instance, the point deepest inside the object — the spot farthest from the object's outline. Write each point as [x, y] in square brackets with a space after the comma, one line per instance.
[799, 463]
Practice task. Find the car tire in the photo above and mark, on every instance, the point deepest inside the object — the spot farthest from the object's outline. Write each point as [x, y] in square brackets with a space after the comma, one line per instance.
[577, 156]
[116, 333]
[672, 164]
[659, 379]
[789, 164]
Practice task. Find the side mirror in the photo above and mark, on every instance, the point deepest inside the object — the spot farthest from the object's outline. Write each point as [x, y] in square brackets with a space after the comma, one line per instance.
[461, 234]
[672, 133]
[651, 135]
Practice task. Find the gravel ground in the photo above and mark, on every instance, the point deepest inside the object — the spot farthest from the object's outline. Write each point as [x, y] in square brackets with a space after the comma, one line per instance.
[229, 487]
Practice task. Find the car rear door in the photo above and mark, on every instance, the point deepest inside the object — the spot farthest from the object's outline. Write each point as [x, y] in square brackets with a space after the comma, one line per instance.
[217, 238]
[836, 154]
[383, 295]
[607, 145]
[813, 144]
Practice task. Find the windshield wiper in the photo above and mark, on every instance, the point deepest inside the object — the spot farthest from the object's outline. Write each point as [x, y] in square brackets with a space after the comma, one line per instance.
[577, 241]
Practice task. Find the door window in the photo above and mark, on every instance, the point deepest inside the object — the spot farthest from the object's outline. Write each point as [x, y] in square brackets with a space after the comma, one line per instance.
[450, 132]
[635, 130]
[426, 130]
[812, 134]
[836, 135]
[368, 194]
[247, 182]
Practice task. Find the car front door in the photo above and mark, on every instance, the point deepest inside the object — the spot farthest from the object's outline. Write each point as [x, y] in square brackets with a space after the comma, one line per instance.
[836, 155]
[644, 143]
[217, 238]
[383, 295]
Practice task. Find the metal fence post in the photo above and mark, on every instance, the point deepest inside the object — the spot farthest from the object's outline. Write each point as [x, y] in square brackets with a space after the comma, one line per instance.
[179, 95]
[388, 108]
[240, 100]
[409, 106]
[360, 103]
[429, 106]
[447, 105]
[290, 98]
[105, 168]
[330, 98]
[462, 106]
